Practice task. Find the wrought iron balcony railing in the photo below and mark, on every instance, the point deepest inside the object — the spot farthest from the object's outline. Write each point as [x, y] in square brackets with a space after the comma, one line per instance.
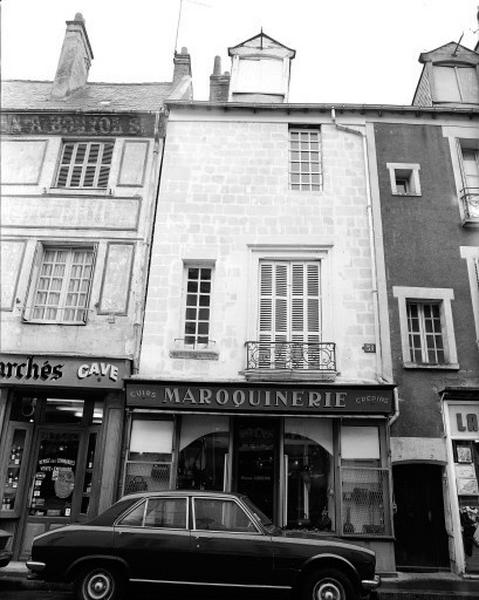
[470, 204]
[314, 356]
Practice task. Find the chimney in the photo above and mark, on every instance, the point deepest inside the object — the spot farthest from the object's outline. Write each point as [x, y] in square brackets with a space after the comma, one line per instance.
[219, 84]
[75, 59]
[182, 66]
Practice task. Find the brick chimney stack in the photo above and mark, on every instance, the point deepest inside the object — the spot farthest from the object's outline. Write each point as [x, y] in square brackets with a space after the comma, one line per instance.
[75, 59]
[219, 83]
[182, 65]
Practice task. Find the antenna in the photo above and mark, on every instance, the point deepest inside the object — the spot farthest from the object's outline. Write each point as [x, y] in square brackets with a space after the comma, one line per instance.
[180, 8]
[457, 45]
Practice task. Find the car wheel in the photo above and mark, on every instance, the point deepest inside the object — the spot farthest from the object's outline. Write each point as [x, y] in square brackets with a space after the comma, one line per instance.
[100, 583]
[328, 584]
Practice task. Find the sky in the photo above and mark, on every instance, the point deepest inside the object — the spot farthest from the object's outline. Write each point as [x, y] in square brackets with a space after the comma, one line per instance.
[347, 51]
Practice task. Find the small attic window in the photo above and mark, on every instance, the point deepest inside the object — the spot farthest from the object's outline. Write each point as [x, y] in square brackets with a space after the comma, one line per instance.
[260, 75]
[404, 179]
[456, 83]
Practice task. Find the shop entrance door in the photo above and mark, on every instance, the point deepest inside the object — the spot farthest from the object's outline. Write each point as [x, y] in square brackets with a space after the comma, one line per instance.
[421, 538]
[256, 472]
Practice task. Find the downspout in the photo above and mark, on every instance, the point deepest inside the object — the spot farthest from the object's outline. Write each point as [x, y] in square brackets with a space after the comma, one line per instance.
[157, 160]
[374, 291]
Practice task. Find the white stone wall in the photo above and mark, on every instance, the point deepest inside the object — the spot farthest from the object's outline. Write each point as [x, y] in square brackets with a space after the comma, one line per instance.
[115, 221]
[224, 197]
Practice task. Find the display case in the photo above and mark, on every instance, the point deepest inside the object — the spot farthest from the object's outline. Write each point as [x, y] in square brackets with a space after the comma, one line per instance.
[12, 482]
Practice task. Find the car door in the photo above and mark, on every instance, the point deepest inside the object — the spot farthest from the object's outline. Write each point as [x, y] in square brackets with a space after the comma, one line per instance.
[154, 539]
[230, 547]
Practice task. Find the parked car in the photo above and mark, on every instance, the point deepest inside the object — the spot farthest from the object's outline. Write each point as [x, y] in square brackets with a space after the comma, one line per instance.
[198, 538]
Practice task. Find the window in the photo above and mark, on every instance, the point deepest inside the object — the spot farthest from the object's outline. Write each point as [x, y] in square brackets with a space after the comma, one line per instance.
[404, 179]
[289, 311]
[469, 162]
[84, 165]
[221, 515]
[456, 83]
[63, 285]
[427, 333]
[426, 343]
[304, 160]
[166, 512]
[198, 306]
[471, 254]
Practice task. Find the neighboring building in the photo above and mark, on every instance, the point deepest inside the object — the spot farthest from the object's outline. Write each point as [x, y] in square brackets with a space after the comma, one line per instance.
[428, 173]
[80, 166]
[262, 367]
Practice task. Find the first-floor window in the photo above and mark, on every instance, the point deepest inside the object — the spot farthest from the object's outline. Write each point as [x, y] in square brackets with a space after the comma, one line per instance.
[426, 344]
[63, 285]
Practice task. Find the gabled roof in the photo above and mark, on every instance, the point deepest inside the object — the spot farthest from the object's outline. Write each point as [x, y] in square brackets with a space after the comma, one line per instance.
[98, 97]
[450, 52]
[262, 41]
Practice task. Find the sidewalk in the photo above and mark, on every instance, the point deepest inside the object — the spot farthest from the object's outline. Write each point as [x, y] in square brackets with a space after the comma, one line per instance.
[401, 586]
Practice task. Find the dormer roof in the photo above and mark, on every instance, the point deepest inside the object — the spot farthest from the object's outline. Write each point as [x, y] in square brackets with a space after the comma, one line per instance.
[264, 43]
[451, 52]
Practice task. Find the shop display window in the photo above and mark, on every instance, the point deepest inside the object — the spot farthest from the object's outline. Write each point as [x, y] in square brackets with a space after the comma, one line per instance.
[16, 460]
[364, 483]
[203, 457]
[148, 466]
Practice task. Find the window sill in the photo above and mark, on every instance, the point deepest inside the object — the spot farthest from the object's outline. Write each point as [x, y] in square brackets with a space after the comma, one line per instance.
[409, 194]
[194, 353]
[56, 323]
[443, 367]
[62, 191]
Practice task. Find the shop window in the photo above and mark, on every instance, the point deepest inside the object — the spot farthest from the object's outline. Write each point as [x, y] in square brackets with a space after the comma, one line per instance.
[203, 457]
[304, 159]
[84, 164]
[404, 179]
[62, 289]
[221, 515]
[64, 410]
[148, 465]
[427, 332]
[364, 483]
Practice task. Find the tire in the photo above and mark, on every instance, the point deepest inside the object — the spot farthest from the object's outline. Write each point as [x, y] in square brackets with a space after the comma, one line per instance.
[102, 582]
[328, 584]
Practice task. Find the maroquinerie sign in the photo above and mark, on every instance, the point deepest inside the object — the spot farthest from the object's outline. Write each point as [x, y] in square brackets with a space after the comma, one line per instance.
[33, 370]
[77, 124]
[270, 398]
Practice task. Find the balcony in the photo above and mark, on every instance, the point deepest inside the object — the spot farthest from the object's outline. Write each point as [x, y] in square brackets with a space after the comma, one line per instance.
[469, 197]
[286, 361]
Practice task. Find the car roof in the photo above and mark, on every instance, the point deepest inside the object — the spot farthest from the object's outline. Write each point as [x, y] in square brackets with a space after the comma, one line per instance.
[196, 493]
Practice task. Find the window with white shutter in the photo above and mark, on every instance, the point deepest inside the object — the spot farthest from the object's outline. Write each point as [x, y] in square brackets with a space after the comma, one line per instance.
[84, 164]
[289, 313]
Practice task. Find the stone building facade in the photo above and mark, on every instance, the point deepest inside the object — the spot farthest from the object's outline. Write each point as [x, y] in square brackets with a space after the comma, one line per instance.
[80, 166]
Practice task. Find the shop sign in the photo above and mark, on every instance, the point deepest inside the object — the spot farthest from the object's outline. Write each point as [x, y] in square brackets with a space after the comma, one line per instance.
[62, 371]
[74, 124]
[228, 397]
[464, 421]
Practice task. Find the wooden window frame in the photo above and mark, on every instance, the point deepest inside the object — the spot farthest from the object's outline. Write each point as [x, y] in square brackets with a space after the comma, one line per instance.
[67, 169]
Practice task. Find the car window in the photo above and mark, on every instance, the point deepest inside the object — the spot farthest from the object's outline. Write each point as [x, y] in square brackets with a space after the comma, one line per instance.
[221, 515]
[135, 517]
[166, 512]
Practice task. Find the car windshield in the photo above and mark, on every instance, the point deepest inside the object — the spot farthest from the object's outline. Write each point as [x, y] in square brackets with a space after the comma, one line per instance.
[259, 514]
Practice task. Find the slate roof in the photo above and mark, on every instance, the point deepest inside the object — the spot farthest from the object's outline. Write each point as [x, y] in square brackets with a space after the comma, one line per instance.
[35, 95]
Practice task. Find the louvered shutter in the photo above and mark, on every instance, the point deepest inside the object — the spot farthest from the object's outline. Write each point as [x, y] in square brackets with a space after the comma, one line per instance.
[289, 311]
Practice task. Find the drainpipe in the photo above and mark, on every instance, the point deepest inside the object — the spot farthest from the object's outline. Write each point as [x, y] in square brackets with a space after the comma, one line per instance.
[379, 355]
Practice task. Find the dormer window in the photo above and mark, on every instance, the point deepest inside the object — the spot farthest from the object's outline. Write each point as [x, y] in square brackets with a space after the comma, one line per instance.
[257, 74]
[456, 83]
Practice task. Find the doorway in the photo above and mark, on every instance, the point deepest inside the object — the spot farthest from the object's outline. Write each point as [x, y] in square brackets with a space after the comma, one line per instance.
[256, 471]
[421, 538]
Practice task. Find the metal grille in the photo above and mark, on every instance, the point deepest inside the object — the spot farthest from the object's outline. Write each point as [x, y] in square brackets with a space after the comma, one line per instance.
[304, 160]
[364, 498]
[291, 355]
[147, 477]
